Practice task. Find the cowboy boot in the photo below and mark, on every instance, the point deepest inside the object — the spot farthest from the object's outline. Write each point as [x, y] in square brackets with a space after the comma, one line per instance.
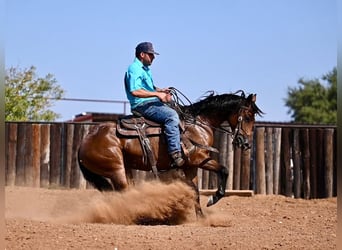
[178, 161]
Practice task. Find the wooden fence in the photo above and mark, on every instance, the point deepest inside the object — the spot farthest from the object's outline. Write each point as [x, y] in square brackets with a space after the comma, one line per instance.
[292, 160]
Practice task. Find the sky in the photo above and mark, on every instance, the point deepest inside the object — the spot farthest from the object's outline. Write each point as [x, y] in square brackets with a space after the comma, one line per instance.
[262, 47]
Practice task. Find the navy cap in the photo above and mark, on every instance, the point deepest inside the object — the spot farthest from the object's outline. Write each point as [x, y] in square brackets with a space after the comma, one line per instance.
[145, 47]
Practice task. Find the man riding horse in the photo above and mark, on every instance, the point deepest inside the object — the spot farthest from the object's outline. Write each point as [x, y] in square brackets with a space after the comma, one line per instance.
[110, 150]
[150, 101]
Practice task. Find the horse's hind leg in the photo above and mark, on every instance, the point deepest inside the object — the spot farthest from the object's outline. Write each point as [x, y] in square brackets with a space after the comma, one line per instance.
[192, 180]
[119, 179]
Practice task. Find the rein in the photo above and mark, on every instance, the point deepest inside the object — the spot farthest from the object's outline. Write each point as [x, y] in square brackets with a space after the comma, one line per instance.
[190, 119]
[236, 135]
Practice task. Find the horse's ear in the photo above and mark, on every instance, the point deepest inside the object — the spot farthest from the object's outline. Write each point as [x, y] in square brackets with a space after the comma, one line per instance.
[251, 98]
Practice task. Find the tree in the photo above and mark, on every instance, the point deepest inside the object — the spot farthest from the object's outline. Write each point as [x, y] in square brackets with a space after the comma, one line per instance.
[313, 101]
[28, 97]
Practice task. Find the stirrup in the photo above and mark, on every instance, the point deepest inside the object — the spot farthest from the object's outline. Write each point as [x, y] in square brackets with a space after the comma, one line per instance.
[177, 159]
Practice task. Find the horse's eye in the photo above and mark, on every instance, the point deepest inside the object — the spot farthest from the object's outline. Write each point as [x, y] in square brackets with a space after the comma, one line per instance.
[247, 119]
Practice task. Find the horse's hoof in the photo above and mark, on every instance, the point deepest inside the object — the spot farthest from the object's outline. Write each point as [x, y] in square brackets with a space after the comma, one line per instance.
[200, 215]
[213, 199]
[210, 201]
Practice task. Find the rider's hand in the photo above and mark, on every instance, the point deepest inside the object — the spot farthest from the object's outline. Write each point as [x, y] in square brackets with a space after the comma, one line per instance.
[164, 96]
[165, 90]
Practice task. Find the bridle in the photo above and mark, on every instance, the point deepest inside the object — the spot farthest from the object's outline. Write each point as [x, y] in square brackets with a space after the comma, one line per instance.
[239, 140]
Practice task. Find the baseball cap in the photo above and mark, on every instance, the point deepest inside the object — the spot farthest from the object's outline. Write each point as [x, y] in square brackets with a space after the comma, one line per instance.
[145, 47]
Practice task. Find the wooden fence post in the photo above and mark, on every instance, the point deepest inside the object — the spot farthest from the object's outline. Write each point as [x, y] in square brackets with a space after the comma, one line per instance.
[205, 179]
[212, 176]
[277, 156]
[260, 161]
[230, 156]
[200, 174]
[69, 153]
[44, 155]
[245, 169]
[56, 159]
[75, 171]
[28, 156]
[313, 162]
[20, 161]
[36, 155]
[296, 164]
[320, 163]
[306, 163]
[328, 156]
[83, 182]
[286, 175]
[269, 160]
[237, 169]
[11, 153]
[223, 148]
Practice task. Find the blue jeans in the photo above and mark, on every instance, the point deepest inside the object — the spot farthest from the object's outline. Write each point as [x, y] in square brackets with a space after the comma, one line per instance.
[161, 113]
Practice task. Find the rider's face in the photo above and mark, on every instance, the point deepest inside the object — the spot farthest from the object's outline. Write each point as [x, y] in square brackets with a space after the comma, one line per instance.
[147, 58]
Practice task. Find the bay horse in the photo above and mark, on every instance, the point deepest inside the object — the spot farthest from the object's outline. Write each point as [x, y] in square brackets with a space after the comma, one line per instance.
[106, 157]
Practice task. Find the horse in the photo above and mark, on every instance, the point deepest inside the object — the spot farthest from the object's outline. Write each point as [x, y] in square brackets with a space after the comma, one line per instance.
[106, 158]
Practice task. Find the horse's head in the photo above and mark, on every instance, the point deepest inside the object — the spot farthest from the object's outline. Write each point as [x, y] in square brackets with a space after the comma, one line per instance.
[242, 122]
[238, 110]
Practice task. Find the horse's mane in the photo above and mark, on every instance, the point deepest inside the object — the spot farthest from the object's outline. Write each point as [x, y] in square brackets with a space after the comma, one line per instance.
[211, 103]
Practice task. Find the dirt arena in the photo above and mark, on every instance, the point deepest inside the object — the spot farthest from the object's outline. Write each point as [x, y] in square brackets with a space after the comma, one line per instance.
[160, 216]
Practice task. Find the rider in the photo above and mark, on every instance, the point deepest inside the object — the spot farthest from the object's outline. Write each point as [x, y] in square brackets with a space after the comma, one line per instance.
[150, 101]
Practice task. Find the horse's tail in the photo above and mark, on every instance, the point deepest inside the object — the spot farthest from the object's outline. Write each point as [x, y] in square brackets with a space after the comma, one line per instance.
[98, 181]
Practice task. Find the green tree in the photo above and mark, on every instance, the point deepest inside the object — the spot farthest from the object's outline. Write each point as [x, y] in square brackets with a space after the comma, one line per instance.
[314, 101]
[29, 97]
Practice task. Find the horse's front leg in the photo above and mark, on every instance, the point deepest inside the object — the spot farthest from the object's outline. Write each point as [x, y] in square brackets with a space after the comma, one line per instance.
[222, 176]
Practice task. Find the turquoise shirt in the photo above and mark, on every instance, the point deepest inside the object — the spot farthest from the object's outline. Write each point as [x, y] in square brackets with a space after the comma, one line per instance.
[137, 77]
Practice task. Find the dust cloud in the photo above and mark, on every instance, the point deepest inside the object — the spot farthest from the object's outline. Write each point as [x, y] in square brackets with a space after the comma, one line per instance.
[148, 203]
[145, 203]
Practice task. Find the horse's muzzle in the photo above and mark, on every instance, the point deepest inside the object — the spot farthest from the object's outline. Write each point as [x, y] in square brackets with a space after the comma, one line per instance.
[241, 142]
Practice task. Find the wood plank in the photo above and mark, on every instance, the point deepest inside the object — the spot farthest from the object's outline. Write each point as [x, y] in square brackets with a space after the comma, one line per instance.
[244, 193]
[69, 154]
[320, 164]
[230, 162]
[223, 147]
[276, 159]
[269, 160]
[56, 154]
[20, 159]
[212, 175]
[199, 176]
[245, 179]
[260, 161]
[304, 133]
[75, 170]
[328, 163]
[237, 169]
[297, 166]
[36, 155]
[313, 162]
[28, 156]
[286, 175]
[85, 131]
[11, 153]
[205, 178]
[44, 155]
